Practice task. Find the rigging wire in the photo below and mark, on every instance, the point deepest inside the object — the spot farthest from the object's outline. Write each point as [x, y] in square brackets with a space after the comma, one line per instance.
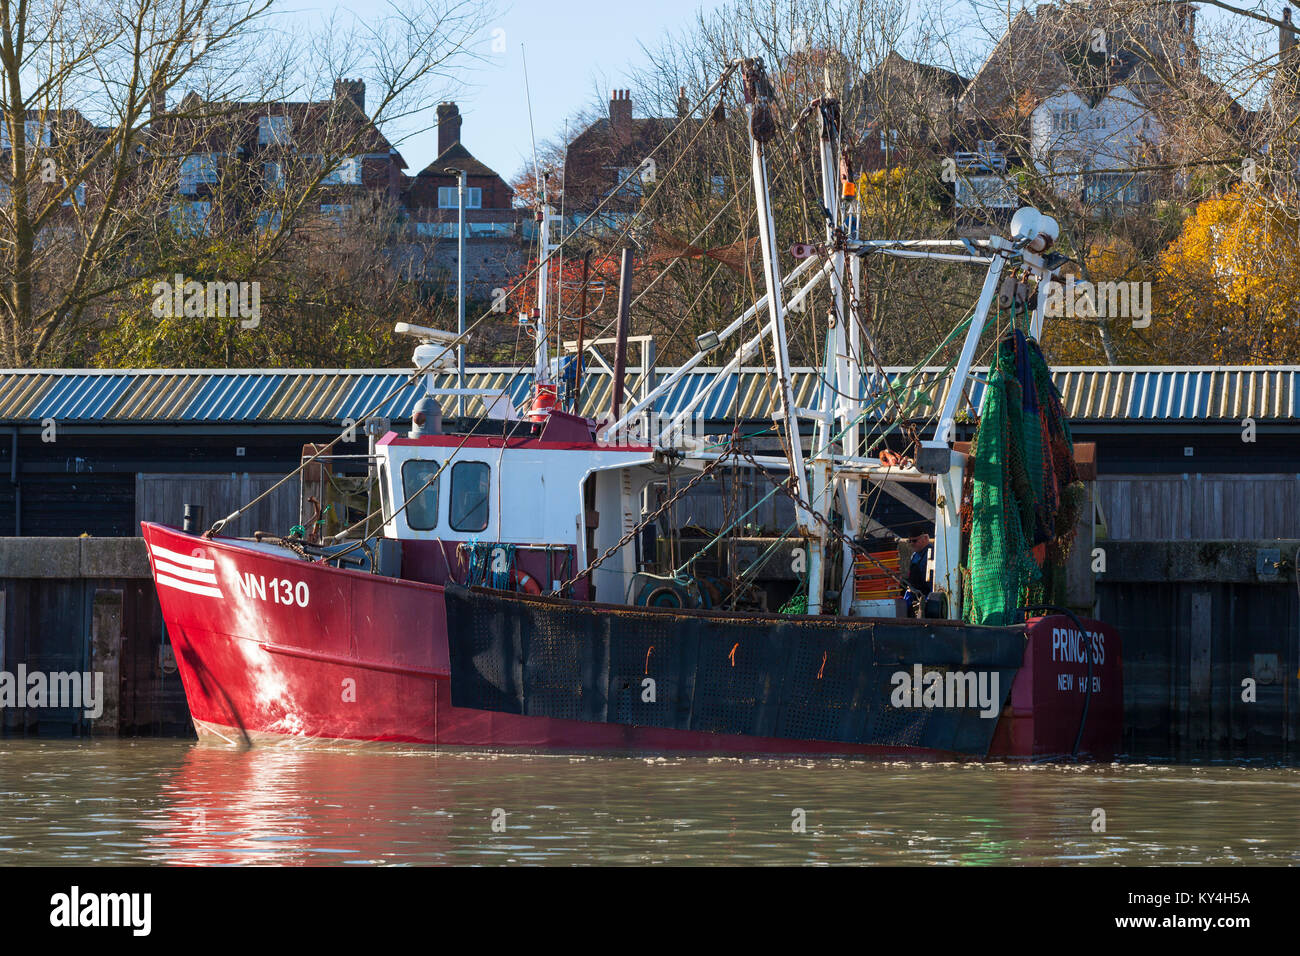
[411, 379]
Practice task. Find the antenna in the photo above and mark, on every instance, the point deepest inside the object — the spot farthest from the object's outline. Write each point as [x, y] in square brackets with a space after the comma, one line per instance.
[528, 97]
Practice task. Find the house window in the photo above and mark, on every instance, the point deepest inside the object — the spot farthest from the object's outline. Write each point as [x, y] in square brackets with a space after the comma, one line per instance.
[629, 181]
[718, 185]
[196, 170]
[1065, 120]
[600, 223]
[336, 211]
[1114, 189]
[422, 512]
[77, 196]
[37, 134]
[985, 192]
[888, 139]
[447, 198]
[346, 173]
[268, 220]
[191, 218]
[489, 230]
[273, 130]
[473, 230]
[273, 175]
[470, 482]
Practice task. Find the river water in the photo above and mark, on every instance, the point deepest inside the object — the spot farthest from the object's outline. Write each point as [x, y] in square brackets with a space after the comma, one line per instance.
[142, 802]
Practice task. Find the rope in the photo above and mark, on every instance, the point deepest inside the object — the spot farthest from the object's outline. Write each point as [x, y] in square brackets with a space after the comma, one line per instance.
[835, 532]
[718, 537]
[411, 379]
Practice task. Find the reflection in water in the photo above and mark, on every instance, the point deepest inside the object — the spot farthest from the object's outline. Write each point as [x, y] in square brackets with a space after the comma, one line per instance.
[179, 802]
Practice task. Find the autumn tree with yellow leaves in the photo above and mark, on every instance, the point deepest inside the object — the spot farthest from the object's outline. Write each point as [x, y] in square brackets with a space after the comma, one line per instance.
[1229, 290]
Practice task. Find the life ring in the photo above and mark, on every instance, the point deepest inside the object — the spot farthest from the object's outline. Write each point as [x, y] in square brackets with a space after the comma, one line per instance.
[523, 581]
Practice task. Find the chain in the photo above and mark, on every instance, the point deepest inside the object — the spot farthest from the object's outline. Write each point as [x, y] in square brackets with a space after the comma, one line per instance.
[704, 472]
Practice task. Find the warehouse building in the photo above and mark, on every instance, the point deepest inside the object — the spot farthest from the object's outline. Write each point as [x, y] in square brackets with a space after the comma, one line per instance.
[1197, 493]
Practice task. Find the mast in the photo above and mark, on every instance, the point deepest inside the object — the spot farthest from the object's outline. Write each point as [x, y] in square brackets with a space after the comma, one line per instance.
[762, 125]
[621, 333]
[840, 402]
[834, 371]
[541, 365]
[851, 487]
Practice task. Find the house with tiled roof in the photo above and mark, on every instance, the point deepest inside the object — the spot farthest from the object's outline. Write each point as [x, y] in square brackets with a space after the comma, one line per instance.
[608, 165]
[237, 159]
[908, 110]
[1082, 96]
[58, 143]
[427, 194]
[246, 153]
[493, 253]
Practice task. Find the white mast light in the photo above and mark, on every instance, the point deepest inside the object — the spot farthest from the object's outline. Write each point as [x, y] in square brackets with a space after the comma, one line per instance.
[1033, 229]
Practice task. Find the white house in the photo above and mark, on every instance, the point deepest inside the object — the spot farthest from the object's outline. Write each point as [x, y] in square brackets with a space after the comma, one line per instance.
[1073, 86]
[1094, 151]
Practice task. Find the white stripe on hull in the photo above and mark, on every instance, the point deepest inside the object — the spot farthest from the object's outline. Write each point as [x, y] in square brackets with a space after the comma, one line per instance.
[182, 585]
[175, 570]
[188, 560]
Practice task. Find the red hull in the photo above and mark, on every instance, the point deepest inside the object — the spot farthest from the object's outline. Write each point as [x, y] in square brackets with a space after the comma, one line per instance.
[271, 648]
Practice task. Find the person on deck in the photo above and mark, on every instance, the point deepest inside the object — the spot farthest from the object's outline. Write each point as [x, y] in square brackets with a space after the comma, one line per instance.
[918, 572]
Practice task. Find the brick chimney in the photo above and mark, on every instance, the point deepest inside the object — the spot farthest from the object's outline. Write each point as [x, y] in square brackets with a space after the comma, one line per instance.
[354, 90]
[1286, 38]
[448, 126]
[620, 114]
[683, 104]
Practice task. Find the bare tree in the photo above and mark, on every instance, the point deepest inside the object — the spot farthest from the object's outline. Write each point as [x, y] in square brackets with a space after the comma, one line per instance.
[107, 108]
[1118, 117]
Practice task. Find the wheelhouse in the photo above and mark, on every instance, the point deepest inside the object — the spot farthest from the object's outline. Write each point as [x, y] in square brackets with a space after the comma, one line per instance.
[561, 502]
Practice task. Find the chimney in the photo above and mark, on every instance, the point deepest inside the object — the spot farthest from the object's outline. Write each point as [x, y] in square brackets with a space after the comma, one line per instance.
[448, 126]
[620, 112]
[683, 104]
[354, 90]
[1286, 37]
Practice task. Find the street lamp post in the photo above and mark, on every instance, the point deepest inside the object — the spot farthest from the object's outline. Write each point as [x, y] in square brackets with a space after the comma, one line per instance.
[460, 285]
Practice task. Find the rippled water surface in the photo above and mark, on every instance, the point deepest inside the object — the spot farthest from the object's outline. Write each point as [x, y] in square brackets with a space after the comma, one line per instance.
[180, 802]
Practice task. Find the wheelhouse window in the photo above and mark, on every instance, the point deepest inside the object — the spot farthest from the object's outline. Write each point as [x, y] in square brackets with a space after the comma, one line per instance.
[470, 482]
[422, 512]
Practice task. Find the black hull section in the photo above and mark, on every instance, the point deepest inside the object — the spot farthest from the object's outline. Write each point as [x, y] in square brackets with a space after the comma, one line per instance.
[793, 678]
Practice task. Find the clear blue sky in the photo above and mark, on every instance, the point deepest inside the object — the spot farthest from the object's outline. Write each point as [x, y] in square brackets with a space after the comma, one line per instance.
[573, 46]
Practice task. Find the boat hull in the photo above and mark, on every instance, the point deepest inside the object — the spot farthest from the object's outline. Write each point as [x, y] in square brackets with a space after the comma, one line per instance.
[276, 650]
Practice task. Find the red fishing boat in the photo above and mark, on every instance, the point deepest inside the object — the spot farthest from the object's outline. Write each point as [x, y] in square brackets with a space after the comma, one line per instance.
[499, 597]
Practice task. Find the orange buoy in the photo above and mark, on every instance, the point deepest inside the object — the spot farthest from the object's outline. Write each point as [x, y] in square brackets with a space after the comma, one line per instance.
[523, 581]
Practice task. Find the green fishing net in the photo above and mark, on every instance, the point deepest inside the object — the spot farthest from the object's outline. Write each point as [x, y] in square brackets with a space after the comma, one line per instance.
[1023, 493]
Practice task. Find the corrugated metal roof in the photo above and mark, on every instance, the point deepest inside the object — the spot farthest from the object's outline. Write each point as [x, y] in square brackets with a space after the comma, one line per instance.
[75, 397]
[1151, 394]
